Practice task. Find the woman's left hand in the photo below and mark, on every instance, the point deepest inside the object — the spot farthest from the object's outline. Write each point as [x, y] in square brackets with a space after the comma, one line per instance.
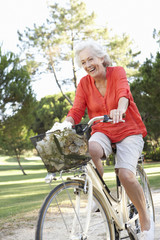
[117, 115]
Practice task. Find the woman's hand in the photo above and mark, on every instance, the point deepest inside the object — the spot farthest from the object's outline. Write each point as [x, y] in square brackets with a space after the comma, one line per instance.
[70, 119]
[118, 114]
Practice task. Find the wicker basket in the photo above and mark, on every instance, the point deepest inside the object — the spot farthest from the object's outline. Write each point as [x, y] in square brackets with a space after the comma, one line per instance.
[62, 150]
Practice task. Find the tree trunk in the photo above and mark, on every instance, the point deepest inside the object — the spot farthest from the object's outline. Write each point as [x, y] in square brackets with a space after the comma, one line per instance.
[55, 76]
[73, 67]
[61, 88]
[18, 160]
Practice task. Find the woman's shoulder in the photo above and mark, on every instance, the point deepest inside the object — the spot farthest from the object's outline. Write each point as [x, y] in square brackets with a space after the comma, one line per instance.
[85, 80]
[115, 68]
[116, 71]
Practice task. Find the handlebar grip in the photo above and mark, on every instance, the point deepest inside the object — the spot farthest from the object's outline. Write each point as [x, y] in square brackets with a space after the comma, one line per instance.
[106, 118]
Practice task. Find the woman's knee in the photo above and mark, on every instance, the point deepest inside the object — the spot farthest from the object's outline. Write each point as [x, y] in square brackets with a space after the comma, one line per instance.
[125, 175]
[95, 149]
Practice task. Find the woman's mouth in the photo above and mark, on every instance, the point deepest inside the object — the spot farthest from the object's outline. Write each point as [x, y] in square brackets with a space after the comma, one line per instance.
[92, 69]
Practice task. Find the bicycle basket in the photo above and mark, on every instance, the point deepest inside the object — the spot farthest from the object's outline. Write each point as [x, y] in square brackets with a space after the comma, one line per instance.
[61, 150]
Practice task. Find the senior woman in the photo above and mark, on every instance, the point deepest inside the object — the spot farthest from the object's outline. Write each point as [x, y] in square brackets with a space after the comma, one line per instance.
[105, 90]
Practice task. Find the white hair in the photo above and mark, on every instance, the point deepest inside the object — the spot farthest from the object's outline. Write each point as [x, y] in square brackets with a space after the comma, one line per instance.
[96, 48]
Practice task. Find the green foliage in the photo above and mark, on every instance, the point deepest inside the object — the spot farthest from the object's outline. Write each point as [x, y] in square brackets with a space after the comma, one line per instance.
[153, 155]
[156, 35]
[49, 110]
[15, 89]
[16, 105]
[122, 54]
[14, 137]
[146, 89]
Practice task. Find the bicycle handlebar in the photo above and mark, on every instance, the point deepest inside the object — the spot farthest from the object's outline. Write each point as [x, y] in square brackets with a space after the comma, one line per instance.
[82, 130]
[105, 118]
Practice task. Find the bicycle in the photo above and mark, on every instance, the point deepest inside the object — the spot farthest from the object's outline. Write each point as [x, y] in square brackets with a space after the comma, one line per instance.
[67, 212]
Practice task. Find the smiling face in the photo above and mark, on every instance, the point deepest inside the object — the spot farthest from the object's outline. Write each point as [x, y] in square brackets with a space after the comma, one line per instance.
[92, 64]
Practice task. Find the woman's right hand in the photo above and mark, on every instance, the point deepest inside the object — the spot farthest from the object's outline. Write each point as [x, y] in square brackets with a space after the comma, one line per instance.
[70, 119]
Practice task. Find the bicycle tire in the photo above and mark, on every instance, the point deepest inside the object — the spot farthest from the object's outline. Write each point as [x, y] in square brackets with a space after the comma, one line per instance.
[143, 180]
[130, 208]
[53, 224]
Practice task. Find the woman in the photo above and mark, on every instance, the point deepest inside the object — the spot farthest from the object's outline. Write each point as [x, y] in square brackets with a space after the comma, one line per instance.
[105, 91]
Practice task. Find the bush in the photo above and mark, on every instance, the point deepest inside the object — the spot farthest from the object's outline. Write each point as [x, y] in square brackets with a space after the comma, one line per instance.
[153, 155]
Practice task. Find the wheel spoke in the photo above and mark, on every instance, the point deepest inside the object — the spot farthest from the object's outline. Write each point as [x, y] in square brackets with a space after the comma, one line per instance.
[64, 215]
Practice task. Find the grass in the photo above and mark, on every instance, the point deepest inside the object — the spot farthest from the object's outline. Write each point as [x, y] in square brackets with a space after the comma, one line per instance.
[152, 170]
[21, 194]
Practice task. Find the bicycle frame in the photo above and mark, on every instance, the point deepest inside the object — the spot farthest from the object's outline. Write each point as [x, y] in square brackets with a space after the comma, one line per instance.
[118, 216]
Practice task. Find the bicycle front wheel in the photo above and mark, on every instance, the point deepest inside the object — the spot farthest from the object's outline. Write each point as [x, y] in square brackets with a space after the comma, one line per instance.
[63, 215]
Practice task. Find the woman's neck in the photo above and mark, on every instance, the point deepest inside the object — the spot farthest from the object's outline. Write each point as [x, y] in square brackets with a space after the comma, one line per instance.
[101, 79]
[101, 84]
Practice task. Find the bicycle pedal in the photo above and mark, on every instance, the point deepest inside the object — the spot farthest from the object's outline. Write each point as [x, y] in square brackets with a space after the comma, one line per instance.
[97, 210]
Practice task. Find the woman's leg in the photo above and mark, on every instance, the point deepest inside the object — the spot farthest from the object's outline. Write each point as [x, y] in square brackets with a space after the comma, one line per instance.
[96, 152]
[128, 152]
[99, 145]
[136, 195]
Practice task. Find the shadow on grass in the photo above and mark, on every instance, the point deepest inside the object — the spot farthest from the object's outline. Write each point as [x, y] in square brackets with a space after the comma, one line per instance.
[26, 167]
[22, 160]
[26, 164]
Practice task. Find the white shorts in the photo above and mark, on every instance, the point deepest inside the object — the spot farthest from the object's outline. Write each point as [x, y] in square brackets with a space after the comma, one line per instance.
[128, 150]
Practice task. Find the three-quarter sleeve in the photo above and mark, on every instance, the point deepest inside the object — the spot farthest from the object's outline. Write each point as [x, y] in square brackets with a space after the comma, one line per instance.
[122, 86]
[79, 105]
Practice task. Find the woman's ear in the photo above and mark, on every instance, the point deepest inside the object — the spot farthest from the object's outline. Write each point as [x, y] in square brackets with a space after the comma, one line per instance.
[102, 60]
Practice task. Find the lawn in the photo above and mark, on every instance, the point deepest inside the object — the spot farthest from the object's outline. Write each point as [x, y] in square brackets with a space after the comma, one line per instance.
[21, 193]
[24, 193]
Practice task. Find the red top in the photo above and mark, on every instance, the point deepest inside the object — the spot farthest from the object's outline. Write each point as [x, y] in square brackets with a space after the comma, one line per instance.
[87, 95]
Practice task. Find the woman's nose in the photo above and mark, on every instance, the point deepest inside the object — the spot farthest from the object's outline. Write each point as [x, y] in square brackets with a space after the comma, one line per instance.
[88, 64]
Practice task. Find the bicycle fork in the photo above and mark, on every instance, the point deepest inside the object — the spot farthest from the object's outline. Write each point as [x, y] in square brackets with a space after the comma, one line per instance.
[131, 233]
[88, 189]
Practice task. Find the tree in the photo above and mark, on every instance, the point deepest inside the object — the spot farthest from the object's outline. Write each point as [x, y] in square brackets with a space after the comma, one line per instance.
[49, 110]
[15, 138]
[122, 54]
[146, 91]
[16, 104]
[156, 35]
[55, 41]
[15, 88]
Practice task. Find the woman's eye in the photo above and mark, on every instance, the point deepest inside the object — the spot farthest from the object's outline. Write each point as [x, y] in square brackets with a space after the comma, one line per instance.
[90, 59]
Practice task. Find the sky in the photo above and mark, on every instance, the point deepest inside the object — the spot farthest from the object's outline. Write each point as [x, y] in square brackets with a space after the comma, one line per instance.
[137, 18]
